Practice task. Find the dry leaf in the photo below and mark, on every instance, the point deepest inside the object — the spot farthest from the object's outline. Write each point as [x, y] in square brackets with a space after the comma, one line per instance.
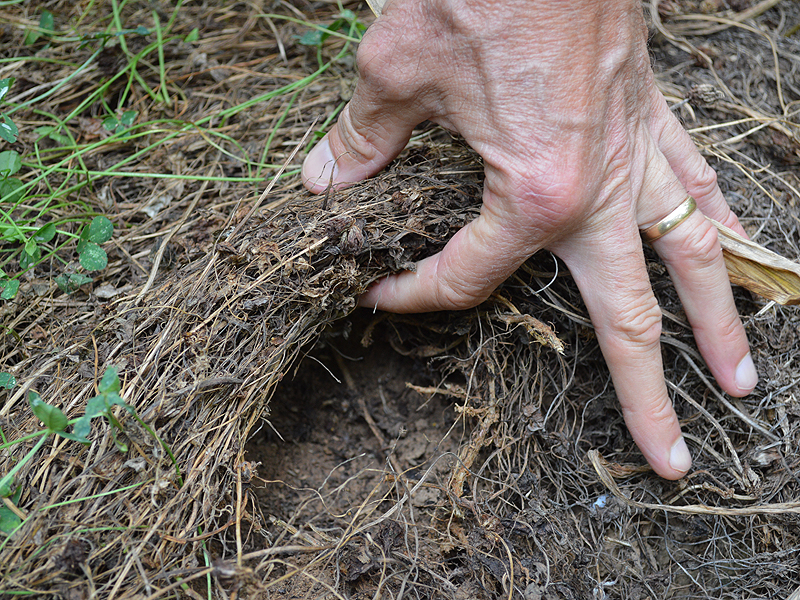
[757, 269]
[92, 128]
[377, 6]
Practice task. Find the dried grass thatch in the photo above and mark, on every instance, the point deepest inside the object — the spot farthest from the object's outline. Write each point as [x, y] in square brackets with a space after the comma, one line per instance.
[200, 356]
[545, 497]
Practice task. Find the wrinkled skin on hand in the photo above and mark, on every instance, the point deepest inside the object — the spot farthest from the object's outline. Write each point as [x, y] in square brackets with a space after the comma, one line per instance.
[580, 151]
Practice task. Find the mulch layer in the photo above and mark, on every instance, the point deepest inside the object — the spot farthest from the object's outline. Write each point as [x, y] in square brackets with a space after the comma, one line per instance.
[479, 454]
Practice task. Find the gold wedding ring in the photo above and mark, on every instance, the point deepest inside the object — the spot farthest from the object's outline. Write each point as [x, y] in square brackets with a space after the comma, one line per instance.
[671, 221]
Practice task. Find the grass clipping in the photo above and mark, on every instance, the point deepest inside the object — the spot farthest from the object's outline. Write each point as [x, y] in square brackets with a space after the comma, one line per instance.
[202, 352]
[199, 357]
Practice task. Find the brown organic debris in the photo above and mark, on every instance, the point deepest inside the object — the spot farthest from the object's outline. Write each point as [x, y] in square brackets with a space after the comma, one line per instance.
[761, 271]
[502, 470]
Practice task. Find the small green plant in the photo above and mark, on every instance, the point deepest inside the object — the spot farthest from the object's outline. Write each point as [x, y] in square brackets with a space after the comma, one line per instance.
[119, 124]
[56, 423]
[107, 397]
[53, 132]
[7, 381]
[10, 164]
[92, 257]
[8, 131]
[71, 282]
[45, 28]
[9, 520]
[8, 287]
[347, 23]
[19, 225]
[32, 246]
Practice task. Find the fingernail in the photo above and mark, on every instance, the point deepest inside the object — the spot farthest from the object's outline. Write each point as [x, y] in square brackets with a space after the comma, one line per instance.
[679, 457]
[319, 168]
[746, 377]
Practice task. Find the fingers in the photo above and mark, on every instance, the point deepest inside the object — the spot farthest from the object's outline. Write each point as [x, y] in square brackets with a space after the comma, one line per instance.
[390, 99]
[611, 275]
[693, 257]
[474, 262]
[692, 170]
[357, 147]
[608, 266]
[694, 260]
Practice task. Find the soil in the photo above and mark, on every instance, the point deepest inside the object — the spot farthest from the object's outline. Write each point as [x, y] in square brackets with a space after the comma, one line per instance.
[476, 455]
[318, 437]
[321, 461]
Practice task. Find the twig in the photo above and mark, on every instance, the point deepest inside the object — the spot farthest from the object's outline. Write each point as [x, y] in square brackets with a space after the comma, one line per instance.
[599, 464]
[744, 417]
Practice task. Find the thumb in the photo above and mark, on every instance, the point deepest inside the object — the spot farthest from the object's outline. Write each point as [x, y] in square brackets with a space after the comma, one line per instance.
[369, 134]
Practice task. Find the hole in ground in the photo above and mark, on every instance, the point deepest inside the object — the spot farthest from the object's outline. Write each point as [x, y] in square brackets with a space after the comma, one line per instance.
[324, 465]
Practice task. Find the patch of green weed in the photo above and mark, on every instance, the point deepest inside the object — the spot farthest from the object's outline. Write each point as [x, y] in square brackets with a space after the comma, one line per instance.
[7, 381]
[44, 208]
[55, 423]
[8, 131]
[45, 28]
[20, 226]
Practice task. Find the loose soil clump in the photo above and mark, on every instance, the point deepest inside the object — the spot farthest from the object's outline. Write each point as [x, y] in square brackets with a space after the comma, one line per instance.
[309, 449]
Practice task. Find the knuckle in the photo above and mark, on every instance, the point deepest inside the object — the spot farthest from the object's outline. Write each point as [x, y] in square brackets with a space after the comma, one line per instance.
[730, 220]
[661, 410]
[657, 409]
[638, 323]
[451, 296]
[701, 246]
[456, 289]
[730, 326]
[549, 191]
[387, 74]
[704, 181]
[371, 52]
[724, 324]
[356, 138]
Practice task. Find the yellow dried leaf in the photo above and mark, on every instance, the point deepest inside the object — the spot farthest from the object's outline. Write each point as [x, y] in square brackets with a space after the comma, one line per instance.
[757, 269]
[377, 6]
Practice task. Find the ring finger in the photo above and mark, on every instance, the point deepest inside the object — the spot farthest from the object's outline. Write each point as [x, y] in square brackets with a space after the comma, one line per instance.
[692, 254]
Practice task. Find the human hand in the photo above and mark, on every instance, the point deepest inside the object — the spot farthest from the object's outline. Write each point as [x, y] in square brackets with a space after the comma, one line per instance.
[580, 152]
